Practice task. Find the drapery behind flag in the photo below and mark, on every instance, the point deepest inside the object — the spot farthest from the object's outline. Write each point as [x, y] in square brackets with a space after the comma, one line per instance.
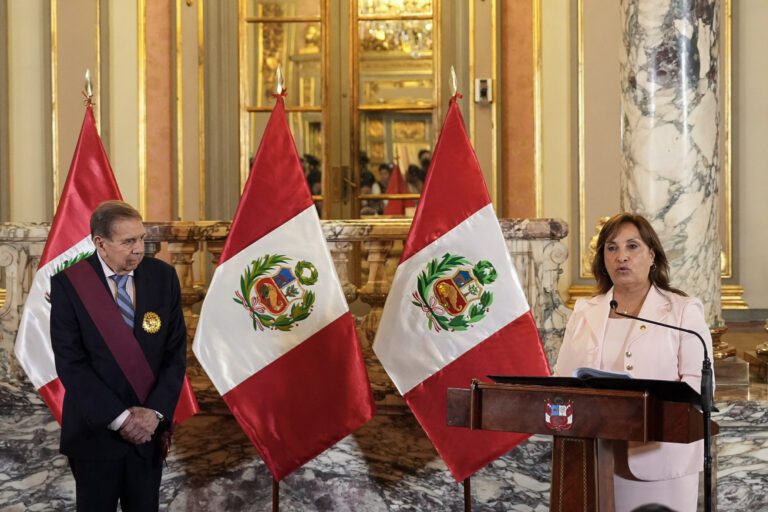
[275, 334]
[456, 310]
[90, 181]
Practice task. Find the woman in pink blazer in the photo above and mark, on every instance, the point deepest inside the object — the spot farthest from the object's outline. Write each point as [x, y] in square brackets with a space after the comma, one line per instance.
[631, 268]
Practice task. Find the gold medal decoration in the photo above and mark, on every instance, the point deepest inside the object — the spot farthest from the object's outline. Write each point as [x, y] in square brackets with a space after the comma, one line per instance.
[151, 322]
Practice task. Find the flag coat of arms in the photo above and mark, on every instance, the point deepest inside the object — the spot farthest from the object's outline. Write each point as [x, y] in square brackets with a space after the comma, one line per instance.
[456, 310]
[275, 333]
[90, 181]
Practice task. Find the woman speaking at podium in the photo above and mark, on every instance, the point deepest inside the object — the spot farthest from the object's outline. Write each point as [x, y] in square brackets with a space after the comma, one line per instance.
[630, 267]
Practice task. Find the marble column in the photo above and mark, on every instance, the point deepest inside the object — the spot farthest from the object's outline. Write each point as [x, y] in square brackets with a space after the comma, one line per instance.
[670, 133]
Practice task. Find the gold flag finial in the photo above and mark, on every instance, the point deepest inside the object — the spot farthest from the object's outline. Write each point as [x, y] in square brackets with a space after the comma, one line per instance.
[454, 88]
[279, 80]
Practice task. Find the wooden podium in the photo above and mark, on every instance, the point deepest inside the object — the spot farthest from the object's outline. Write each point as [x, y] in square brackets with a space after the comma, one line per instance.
[583, 415]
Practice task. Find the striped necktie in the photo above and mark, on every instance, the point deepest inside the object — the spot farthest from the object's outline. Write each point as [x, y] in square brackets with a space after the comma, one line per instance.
[124, 302]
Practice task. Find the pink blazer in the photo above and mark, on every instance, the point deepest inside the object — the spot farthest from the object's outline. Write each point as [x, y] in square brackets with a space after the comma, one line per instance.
[652, 352]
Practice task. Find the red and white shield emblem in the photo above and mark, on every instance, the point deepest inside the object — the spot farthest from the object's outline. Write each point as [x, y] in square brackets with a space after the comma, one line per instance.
[558, 414]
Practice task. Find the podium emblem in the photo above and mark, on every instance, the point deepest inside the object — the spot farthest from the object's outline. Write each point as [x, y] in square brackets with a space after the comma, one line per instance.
[453, 292]
[276, 296]
[558, 415]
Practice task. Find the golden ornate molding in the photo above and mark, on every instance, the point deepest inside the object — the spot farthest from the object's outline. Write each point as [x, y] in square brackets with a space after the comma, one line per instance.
[731, 295]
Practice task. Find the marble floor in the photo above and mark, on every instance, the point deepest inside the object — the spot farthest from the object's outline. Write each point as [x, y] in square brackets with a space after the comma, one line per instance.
[388, 465]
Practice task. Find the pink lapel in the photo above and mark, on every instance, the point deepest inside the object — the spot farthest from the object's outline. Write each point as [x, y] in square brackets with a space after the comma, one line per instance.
[596, 317]
[656, 307]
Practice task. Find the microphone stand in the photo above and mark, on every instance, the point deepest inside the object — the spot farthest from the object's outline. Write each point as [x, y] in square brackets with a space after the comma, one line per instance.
[707, 401]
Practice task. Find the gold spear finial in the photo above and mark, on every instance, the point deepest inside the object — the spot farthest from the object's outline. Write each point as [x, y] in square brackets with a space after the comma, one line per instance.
[88, 92]
[279, 79]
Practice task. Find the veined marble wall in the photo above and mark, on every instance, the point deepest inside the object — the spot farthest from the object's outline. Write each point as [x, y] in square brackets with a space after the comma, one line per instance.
[670, 133]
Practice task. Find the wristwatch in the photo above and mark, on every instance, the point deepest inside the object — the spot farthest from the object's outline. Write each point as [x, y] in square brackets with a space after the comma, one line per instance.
[160, 417]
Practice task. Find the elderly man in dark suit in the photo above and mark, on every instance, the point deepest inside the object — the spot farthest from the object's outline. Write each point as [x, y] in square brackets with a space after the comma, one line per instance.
[119, 342]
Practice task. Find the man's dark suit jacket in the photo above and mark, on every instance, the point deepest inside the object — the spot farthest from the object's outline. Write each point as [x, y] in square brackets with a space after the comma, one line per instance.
[97, 391]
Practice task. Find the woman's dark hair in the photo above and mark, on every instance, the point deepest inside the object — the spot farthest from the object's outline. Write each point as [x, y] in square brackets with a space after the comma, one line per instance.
[659, 274]
[107, 213]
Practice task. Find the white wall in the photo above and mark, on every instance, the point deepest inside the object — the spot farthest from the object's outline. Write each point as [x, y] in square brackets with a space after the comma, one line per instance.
[750, 150]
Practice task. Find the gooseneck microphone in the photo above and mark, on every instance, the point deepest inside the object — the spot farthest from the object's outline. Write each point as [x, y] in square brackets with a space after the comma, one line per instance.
[707, 399]
[706, 370]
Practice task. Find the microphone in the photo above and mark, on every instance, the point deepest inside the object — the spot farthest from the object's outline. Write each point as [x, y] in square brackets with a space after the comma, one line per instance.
[707, 399]
[706, 370]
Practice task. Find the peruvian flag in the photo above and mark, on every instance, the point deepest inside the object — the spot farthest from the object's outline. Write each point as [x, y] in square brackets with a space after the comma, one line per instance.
[275, 334]
[397, 185]
[90, 182]
[456, 310]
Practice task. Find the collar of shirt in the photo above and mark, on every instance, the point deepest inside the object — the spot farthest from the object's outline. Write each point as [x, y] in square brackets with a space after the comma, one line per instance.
[108, 272]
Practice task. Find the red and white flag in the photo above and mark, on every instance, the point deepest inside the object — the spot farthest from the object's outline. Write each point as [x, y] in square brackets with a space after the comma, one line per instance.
[397, 185]
[90, 181]
[275, 334]
[456, 310]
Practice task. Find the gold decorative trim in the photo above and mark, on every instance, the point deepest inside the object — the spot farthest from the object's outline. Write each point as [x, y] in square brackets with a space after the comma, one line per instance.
[142, 107]
[288, 109]
[403, 107]
[244, 80]
[437, 43]
[355, 110]
[201, 107]
[325, 85]
[401, 17]
[583, 271]
[732, 297]
[494, 106]
[727, 141]
[55, 102]
[579, 291]
[97, 73]
[539, 202]
[471, 75]
[283, 19]
[179, 116]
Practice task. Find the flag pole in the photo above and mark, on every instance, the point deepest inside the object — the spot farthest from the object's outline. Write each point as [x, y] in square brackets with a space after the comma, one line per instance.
[467, 481]
[467, 494]
[275, 495]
